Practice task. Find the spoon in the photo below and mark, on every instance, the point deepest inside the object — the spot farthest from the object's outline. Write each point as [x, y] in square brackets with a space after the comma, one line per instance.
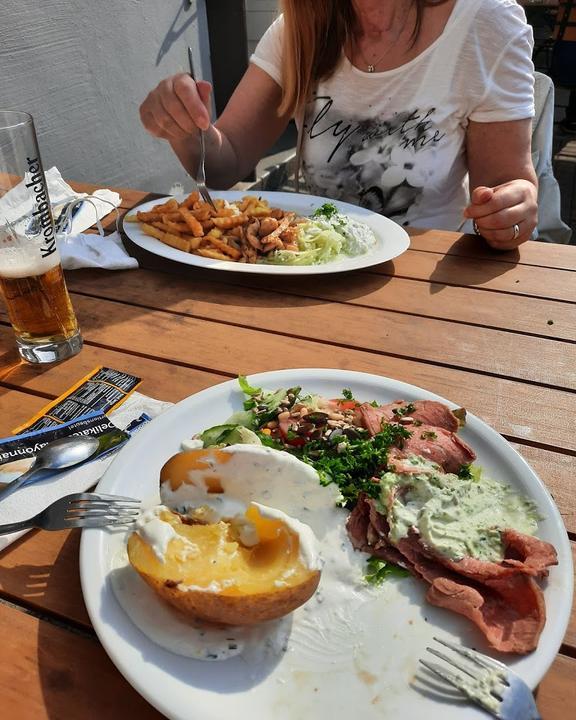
[57, 455]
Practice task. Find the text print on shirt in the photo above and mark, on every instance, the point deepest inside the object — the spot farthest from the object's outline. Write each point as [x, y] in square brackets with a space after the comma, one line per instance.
[386, 162]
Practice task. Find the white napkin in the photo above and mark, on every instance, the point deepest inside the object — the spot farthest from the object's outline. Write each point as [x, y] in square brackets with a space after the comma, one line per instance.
[18, 202]
[94, 251]
[30, 500]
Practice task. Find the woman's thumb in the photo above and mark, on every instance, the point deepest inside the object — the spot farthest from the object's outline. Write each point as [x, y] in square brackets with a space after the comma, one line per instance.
[481, 195]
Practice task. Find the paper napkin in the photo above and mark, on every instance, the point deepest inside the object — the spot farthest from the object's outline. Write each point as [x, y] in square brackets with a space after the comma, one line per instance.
[32, 499]
[94, 251]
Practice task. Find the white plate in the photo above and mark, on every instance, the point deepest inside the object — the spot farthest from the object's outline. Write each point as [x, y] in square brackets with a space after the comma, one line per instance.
[392, 239]
[378, 686]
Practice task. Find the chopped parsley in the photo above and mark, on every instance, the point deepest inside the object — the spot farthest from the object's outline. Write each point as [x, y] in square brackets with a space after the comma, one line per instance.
[347, 394]
[470, 472]
[327, 211]
[405, 410]
[428, 435]
[378, 570]
[352, 463]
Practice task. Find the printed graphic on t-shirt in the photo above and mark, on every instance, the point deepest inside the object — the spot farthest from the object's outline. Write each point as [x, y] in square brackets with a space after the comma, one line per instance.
[382, 163]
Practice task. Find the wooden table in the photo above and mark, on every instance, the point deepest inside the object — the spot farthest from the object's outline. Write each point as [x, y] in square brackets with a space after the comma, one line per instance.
[493, 332]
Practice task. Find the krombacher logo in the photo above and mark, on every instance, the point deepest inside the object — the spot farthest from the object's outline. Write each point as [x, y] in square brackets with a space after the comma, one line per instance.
[42, 211]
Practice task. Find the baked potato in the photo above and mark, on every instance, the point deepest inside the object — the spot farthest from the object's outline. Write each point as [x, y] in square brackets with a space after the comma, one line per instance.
[238, 571]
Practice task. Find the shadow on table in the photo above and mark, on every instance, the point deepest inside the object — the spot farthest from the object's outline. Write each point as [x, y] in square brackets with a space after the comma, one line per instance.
[41, 585]
[77, 678]
[460, 266]
[349, 285]
[15, 371]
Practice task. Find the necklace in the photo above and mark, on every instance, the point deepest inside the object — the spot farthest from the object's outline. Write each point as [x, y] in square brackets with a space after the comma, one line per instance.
[371, 66]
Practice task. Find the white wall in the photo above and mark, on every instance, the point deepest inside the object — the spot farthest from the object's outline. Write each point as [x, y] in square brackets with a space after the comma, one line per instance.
[260, 14]
[82, 68]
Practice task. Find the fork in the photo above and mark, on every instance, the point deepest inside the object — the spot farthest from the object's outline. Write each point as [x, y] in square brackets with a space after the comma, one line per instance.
[86, 510]
[490, 683]
[201, 172]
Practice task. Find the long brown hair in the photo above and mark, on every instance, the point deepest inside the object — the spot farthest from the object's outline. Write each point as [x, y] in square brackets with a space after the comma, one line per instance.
[315, 32]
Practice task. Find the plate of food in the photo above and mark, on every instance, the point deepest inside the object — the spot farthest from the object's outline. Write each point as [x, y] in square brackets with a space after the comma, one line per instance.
[275, 233]
[305, 535]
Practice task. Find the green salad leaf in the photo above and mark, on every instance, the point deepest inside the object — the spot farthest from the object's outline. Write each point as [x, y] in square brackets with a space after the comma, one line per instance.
[377, 571]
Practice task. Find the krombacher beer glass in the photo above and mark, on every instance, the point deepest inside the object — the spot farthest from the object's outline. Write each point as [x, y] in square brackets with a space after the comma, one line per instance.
[31, 278]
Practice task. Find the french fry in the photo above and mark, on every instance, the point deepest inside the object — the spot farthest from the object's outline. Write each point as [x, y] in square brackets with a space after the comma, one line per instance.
[191, 199]
[160, 225]
[195, 242]
[157, 215]
[130, 218]
[175, 227]
[227, 223]
[209, 253]
[176, 241]
[202, 213]
[224, 248]
[194, 224]
[169, 206]
[152, 231]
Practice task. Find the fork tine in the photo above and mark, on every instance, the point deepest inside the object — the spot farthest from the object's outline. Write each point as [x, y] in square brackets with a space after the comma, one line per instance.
[98, 522]
[450, 677]
[87, 504]
[206, 195]
[101, 513]
[454, 663]
[102, 496]
[482, 660]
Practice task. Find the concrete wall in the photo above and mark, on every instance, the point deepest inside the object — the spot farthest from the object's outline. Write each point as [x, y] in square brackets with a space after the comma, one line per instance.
[260, 14]
[82, 68]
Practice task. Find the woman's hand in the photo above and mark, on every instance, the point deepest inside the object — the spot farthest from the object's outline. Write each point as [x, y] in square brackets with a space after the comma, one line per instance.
[498, 211]
[176, 108]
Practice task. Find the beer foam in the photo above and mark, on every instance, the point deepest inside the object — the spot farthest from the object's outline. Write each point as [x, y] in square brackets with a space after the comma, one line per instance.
[26, 261]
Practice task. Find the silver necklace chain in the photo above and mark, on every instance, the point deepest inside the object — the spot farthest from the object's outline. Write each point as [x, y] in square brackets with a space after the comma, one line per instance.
[371, 66]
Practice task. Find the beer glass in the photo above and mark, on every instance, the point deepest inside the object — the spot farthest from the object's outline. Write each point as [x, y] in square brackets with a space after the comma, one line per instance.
[31, 278]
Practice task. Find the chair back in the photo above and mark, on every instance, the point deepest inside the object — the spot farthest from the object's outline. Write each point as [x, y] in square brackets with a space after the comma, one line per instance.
[550, 226]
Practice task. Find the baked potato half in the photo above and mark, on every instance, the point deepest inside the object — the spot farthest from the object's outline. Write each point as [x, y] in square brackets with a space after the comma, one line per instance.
[221, 573]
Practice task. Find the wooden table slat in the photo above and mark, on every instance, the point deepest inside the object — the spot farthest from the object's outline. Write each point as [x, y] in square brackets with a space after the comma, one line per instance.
[536, 253]
[466, 305]
[48, 672]
[526, 412]
[488, 351]
[506, 277]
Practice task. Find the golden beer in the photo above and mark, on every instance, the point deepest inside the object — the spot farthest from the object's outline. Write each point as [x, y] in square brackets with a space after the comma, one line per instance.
[31, 278]
[39, 306]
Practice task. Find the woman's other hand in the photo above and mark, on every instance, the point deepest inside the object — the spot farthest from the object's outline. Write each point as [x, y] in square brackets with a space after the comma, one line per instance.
[176, 108]
[497, 210]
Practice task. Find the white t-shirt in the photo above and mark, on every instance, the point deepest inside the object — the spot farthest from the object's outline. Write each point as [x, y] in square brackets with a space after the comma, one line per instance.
[394, 141]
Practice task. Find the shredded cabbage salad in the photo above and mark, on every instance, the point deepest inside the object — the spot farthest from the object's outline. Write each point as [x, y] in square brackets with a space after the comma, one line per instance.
[326, 236]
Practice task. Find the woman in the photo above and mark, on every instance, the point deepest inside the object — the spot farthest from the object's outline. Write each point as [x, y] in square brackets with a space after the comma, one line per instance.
[397, 102]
